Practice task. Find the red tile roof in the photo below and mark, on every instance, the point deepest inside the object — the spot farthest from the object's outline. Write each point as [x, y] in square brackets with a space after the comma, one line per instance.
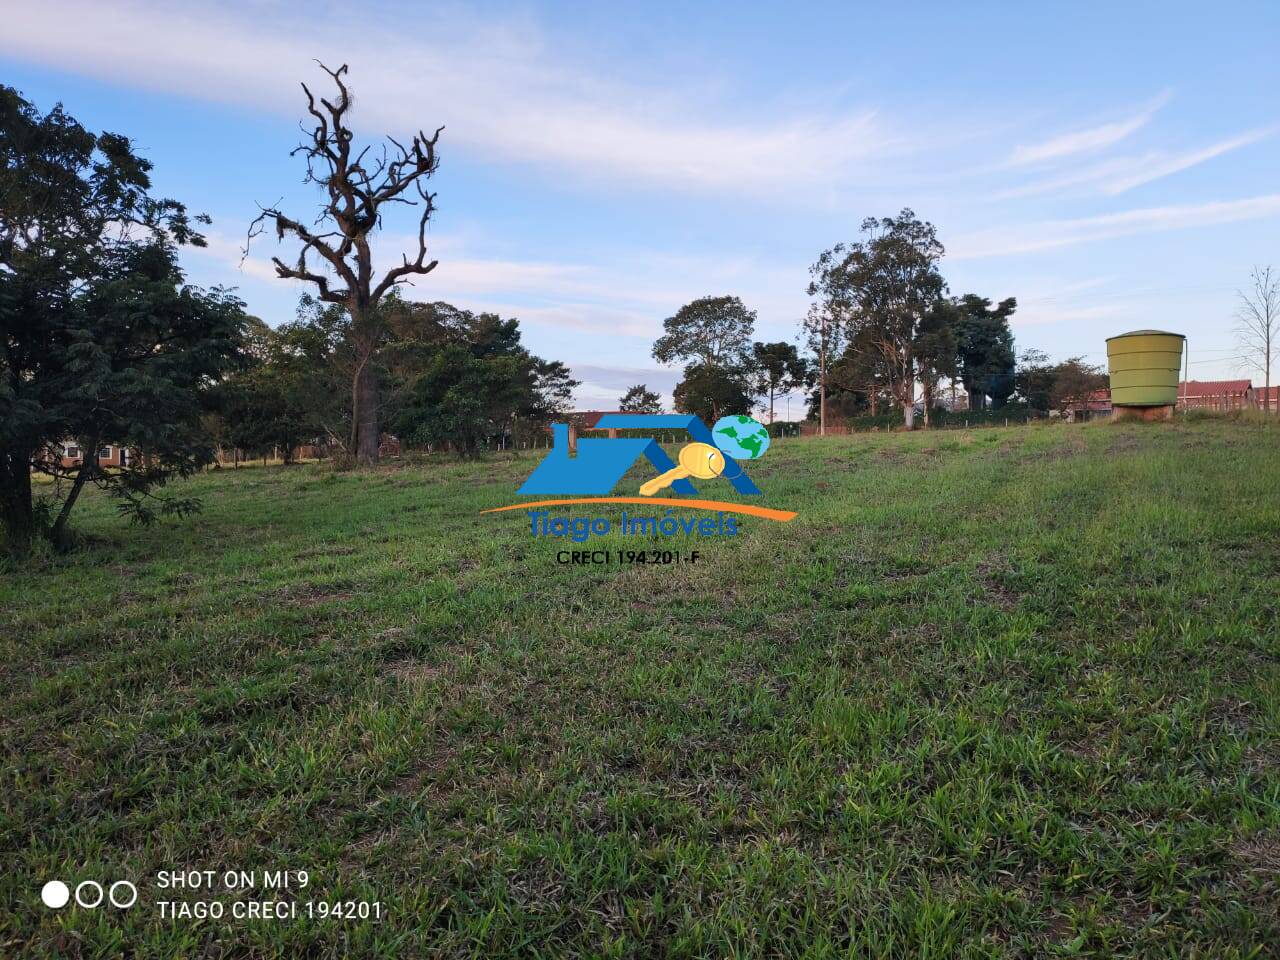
[587, 419]
[1213, 388]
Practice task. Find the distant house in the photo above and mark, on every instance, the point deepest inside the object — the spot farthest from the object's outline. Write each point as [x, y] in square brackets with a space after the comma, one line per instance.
[581, 420]
[311, 451]
[1096, 404]
[1215, 395]
[1268, 398]
[587, 419]
[70, 454]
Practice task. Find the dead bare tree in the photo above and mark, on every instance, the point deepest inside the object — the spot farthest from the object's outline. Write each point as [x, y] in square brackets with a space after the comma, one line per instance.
[355, 187]
[1258, 325]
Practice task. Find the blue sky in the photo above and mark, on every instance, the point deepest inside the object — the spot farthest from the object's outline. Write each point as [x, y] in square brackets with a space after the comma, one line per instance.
[1112, 166]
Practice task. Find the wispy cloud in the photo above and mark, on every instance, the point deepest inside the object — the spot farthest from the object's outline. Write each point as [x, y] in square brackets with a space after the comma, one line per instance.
[1087, 140]
[1047, 235]
[1120, 174]
[496, 86]
[1154, 168]
[627, 296]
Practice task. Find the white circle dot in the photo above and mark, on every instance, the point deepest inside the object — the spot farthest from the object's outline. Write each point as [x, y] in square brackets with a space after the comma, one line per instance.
[55, 894]
[94, 884]
[132, 894]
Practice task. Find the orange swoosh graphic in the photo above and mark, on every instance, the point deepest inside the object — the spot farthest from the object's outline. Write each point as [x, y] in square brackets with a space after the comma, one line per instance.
[782, 516]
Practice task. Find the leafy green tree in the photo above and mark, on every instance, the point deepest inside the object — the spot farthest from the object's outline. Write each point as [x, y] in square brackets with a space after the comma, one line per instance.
[711, 392]
[984, 345]
[640, 399]
[552, 391]
[856, 384]
[1073, 382]
[280, 402]
[1034, 380]
[464, 377]
[935, 352]
[777, 369]
[1045, 386]
[462, 399]
[824, 332]
[709, 332]
[101, 339]
[882, 289]
[325, 335]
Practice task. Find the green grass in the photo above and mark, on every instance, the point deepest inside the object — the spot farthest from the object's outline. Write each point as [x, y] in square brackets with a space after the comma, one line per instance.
[999, 693]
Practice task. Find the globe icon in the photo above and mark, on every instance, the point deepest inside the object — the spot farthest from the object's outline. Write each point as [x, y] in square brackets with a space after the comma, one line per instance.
[741, 437]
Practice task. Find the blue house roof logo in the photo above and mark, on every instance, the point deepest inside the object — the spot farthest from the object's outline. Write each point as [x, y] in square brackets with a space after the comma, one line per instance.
[600, 463]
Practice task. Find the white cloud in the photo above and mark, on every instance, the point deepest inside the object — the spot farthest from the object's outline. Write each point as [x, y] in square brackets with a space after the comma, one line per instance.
[1083, 141]
[1032, 314]
[498, 89]
[603, 386]
[231, 254]
[1033, 237]
[620, 378]
[570, 296]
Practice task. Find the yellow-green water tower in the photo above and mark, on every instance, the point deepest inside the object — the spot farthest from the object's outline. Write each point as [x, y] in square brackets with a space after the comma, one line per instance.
[1144, 367]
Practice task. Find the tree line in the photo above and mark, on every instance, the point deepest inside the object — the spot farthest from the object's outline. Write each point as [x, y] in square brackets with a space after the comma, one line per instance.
[447, 378]
[105, 341]
[882, 321]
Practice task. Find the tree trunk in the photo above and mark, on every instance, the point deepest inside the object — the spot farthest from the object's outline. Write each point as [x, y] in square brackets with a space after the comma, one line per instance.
[909, 395]
[822, 385]
[364, 415]
[57, 534]
[1266, 390]
[928, 399]
[16, 515]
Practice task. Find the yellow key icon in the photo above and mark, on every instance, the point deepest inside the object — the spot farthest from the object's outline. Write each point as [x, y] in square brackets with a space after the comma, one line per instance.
[700, 460]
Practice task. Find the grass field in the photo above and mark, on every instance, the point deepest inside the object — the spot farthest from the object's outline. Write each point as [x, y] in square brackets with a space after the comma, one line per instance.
[993, 693]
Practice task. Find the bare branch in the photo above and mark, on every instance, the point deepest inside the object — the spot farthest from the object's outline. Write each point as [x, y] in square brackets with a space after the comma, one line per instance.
[355, 189]
[1258, 322]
